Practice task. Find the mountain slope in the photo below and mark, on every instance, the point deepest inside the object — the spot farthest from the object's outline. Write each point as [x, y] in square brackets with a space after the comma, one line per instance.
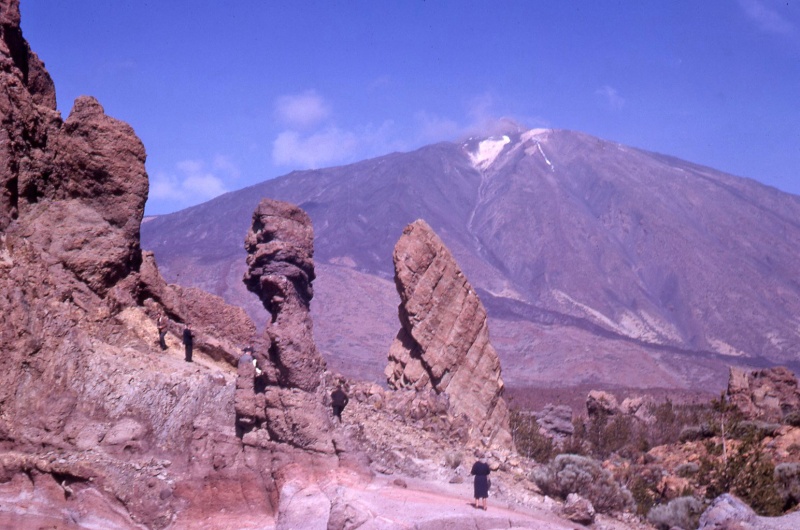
[597, 262]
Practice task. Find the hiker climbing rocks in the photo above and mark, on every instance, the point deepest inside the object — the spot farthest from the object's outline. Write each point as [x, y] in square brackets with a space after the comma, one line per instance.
[481, 485]
[161, 324]
[188, 342]
[339, 400]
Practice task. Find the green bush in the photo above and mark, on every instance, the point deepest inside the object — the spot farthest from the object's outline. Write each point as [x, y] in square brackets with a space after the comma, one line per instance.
[683, 512]
[582, 475]
[529, 442]
[749, 474]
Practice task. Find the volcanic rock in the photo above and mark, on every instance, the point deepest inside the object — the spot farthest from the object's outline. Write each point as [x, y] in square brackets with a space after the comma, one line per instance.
[767, 394]
[97, 421]
[443, 342]
[555, 421]
[599, 402]
[280, 249]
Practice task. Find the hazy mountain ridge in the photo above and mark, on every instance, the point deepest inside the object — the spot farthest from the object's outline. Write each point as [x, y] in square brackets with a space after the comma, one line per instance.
[588, 234]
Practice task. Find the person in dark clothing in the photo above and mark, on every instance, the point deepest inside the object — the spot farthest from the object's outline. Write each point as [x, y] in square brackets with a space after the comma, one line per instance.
[161, 324]
[338, 401]
[188, 342]
[481, 471]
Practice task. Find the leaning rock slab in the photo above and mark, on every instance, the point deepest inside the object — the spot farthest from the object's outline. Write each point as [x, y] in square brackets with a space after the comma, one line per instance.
[443, 342]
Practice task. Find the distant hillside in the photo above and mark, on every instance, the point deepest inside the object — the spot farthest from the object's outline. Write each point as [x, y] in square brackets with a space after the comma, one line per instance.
[598, 263]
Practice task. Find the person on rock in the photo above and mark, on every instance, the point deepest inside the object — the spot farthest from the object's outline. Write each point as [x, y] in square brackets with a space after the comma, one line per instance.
[161, 324]
[481, 485]
[339, 400]
[188, 342]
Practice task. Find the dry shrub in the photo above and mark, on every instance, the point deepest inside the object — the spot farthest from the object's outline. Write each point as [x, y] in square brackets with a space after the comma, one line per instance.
[683, 512]
[582, 475]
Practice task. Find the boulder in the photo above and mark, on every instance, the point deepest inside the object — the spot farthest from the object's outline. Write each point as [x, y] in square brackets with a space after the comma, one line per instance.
[555, 421]
[443, 343]
[768, 394]
[578, 509]
[599, 402]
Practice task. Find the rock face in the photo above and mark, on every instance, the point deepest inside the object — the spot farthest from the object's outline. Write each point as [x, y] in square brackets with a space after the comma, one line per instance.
[276, 396]
[767, 394]
[443, 342]
[99, 426]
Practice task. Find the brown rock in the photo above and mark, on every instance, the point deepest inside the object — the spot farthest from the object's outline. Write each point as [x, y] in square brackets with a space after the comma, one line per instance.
[280, 271]
[578, 509]
[599, 402]
[767, 394]
[443, 343]
[280, 248]
[90, 405]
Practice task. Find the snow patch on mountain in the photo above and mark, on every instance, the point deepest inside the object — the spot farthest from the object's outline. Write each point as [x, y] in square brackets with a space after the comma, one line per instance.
[488, 150]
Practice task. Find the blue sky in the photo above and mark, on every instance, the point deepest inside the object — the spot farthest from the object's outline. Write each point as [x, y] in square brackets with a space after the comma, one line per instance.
[225, 94]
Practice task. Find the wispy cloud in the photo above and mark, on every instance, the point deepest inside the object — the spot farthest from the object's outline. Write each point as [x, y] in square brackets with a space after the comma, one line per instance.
[193, 181]
[611, 96]
[302, 111]
[327, 143]
[766, 18]
[328, 146]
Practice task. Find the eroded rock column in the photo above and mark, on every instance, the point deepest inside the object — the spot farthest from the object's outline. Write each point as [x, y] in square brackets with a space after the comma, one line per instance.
[280, 249]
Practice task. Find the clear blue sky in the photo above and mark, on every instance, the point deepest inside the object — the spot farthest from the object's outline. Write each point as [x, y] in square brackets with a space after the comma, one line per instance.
[225, 94]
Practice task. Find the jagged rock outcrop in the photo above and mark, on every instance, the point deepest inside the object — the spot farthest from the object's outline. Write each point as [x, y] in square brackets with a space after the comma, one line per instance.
[277, 398]
[98, 425]
[768, 394]
[443, 342]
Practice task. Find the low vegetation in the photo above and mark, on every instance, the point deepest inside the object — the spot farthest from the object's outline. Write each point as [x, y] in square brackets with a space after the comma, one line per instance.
[668, 467]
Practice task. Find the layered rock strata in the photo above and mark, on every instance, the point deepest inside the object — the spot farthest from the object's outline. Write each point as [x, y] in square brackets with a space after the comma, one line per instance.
[443, 342]
[276, 395]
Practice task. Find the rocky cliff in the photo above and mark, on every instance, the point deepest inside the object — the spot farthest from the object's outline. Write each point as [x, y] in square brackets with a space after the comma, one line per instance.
[98, 425]
[443, 342]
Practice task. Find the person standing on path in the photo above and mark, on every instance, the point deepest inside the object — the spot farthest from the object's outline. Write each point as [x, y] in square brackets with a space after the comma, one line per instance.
[188, 342]
[161, 324]
[481, 471]
[339, 400]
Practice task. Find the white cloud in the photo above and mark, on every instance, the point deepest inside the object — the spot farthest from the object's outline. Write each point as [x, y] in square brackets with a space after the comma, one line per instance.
[611, 96]
[766, 18]
[302, 111]
[192, 182]
[434, 128]
[325, 147]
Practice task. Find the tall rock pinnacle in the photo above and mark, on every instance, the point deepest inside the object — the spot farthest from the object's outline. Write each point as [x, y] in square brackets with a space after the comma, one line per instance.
[444, 339]
[279, 401]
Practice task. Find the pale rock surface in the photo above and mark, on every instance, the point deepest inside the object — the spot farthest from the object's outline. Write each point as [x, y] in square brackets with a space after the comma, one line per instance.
[578, 509]
[728, 512]
[443, 343]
